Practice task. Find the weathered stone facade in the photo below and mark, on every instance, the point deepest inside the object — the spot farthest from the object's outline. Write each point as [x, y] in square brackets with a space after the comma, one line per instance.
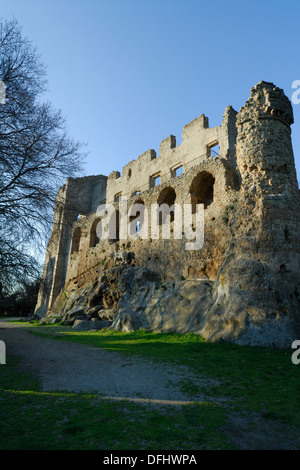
[243, 285]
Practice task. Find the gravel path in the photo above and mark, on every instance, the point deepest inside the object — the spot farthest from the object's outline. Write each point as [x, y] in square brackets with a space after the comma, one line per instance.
[63, 365]
[66, 366]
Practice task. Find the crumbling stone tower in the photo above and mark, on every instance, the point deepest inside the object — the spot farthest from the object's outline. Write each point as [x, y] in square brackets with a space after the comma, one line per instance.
[269, 184]
[257, 289]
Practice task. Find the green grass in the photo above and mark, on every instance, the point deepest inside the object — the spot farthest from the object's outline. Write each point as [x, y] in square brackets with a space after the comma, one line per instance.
[263, 378]
[32, 419]
[241, 380]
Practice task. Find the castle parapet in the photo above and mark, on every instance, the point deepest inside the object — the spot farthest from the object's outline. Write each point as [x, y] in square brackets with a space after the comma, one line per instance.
[198, 124]
[167, 144]
[198, 141]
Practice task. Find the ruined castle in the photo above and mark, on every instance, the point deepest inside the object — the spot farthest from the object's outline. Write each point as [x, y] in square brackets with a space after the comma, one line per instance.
[242, 285]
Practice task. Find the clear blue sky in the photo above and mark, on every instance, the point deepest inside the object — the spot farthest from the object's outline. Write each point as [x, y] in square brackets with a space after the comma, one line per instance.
[127, 73]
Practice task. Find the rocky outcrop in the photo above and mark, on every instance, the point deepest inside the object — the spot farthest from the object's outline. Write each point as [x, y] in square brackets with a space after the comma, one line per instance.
[129, 298]
[100, 300]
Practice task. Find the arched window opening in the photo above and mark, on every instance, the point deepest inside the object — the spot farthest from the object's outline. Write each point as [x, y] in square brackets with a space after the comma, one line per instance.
[94, 239]
[202, 190]
[168, 197]
[76, 240]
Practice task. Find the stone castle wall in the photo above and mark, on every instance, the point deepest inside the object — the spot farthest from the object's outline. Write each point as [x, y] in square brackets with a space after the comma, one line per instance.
[77, 202]
[250, 257]
[198, 140]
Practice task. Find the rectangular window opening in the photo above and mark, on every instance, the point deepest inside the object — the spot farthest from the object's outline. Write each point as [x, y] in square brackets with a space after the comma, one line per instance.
[154, 181]
[178, 171]
[117, 197]
[213, 149]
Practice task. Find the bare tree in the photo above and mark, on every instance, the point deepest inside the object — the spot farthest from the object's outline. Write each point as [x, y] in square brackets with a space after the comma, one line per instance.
[36, 156]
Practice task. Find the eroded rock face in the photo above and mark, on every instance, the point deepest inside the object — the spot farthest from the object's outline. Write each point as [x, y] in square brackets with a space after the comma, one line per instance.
[251, 304]
[170, 307]
[144, 301]
[100, 300]
[246, 304]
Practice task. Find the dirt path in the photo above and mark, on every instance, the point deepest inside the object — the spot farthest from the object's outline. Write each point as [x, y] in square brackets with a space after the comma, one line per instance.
[63, 365]
[74, 367]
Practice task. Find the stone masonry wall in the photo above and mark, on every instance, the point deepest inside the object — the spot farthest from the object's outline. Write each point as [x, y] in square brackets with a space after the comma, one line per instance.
[76, 197]
[243, 284]
[197, 139]
[65, 265]
[168, 258]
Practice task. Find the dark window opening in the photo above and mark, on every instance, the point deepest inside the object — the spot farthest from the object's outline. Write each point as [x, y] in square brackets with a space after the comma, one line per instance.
[114, 227]
[168, 197]
[202, 190]
[282, 268]
[76, 240]
[287, 235]
[117, 197]
[94, 239]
